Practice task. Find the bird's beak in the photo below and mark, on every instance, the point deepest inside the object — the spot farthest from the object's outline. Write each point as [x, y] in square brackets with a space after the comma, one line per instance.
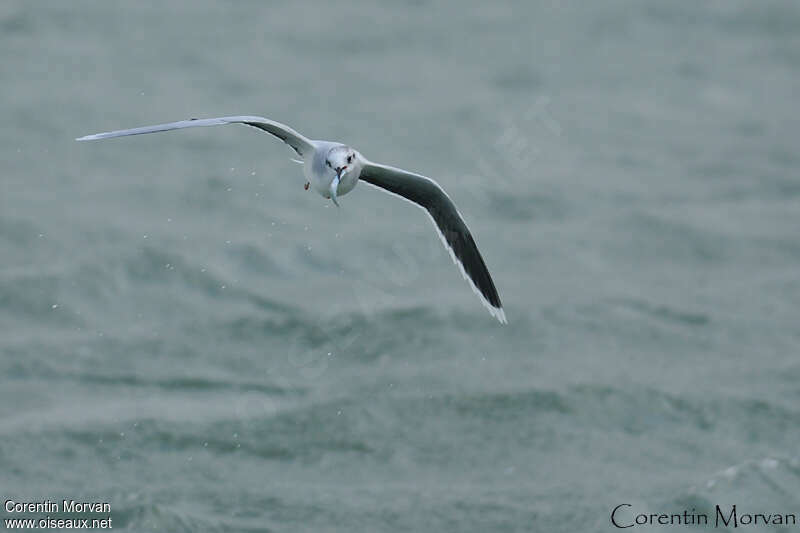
[335, 188]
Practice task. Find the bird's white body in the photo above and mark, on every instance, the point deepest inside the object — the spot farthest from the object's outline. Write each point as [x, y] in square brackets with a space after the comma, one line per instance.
[320, 175]
[333, 170]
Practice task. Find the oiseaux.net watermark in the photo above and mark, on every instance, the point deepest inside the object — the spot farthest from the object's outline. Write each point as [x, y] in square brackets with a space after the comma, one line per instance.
[66, 514]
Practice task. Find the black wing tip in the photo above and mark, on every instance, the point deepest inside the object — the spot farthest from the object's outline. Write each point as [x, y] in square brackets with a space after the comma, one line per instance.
[492, 303]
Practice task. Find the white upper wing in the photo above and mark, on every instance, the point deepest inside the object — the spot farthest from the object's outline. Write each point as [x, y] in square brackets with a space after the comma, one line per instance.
[300, 144]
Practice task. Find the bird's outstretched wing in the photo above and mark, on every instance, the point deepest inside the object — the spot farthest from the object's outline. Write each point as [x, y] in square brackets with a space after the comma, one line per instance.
[455, 235]
[300, 144]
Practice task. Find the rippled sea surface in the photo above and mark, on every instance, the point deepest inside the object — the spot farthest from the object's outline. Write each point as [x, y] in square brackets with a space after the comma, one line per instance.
[188, 335]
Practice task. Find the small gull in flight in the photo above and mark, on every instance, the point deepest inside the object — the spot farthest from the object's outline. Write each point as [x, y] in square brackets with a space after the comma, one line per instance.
[334, 169]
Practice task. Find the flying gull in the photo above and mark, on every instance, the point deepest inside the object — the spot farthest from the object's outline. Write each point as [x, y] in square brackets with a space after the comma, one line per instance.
[333, 169]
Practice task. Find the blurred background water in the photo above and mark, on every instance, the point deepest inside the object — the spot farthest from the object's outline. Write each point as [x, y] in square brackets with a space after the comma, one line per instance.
[188, 335]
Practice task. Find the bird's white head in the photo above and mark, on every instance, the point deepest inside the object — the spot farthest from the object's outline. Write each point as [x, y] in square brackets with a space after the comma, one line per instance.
[342, 159]
[345, 163]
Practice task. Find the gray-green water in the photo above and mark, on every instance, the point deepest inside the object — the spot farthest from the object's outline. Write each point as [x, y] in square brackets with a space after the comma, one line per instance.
[188, 335]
